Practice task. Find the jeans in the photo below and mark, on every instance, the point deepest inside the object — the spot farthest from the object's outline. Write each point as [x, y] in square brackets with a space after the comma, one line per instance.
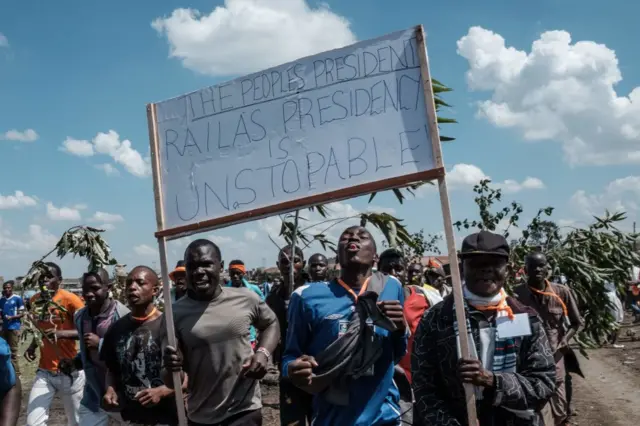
[13, 340]
[45, 387]
[636, 309]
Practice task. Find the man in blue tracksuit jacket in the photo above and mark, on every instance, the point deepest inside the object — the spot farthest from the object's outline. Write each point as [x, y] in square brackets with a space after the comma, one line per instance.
[319, 314]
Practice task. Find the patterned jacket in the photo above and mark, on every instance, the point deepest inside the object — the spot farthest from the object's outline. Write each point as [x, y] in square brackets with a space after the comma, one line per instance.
[439, 394]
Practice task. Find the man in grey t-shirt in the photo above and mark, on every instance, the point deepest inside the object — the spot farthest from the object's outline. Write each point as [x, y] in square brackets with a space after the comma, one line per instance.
[212, 328]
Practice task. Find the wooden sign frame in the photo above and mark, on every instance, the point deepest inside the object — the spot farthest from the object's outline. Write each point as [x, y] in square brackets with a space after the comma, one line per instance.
[163, 234]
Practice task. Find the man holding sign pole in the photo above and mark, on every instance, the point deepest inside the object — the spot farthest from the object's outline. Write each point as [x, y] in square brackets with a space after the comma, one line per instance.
[511, 365]
[212, 329]
[336, 125]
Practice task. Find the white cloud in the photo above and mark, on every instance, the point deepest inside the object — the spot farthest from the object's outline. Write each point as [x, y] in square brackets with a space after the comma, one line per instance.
[108, 169]
[16, 201]
[559, 91]
[64, 213]
[145, 250]
[107, 226]
[220, 240]
[465, 176]
[107, 217]
[79, 148]
[381, 209]
[40, 238]
[36, 239]
[28, 135]
[110, 144]
[512, 186]
[245, 36]
[619, 195]
[562, 223]
[4, 42]
[250, 235]
[341, 209]
[270, 225]
[515, 233]
[230, 247]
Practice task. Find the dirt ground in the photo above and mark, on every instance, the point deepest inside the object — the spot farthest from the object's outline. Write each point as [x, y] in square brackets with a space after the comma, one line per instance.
[608, 396]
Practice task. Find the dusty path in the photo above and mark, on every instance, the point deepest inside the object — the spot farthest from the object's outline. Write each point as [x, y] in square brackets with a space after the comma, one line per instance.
[610, 392]
[609, 396]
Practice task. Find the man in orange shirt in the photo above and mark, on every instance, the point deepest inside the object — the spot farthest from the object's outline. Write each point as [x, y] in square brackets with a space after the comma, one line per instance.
[55, 370]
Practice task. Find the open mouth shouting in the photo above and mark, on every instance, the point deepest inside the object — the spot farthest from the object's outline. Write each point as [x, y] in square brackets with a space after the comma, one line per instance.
[133, 297]
[353, 247]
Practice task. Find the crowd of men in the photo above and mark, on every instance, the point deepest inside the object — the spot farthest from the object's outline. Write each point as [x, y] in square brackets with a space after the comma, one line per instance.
[379, 345]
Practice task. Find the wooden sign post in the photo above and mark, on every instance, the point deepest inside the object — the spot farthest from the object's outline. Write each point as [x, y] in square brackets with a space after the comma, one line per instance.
[325, 128]
[448, 222]
[162, 250]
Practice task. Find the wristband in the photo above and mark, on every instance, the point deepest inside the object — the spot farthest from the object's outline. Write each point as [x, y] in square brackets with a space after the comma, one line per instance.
[264, 351]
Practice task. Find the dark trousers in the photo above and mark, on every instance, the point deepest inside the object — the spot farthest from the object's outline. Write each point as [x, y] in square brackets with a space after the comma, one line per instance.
[568, 386]
[10, 405]
[13, 340]
[296, 406]
[246, 418]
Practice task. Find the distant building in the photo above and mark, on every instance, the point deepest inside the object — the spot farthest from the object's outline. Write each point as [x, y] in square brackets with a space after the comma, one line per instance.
[72, 284]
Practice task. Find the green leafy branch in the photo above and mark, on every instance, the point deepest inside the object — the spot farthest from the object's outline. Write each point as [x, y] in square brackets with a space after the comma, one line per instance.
[84, 241]
[420, 244]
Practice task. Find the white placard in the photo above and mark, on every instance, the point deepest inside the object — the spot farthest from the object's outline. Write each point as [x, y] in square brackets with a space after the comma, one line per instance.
[336, 120]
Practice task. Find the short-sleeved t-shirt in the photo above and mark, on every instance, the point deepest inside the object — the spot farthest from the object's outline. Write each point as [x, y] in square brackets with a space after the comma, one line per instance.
[132, 351]
[49, 358]
[214, 340]
[11, 306]
[7, 373]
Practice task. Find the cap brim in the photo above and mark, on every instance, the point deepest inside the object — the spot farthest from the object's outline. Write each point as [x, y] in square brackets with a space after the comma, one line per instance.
[462, 255]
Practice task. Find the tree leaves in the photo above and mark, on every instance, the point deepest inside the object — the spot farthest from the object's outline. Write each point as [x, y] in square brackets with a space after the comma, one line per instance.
[588, 257]
[86, 241]
[419, 245]
[82, 241]
[485, 199]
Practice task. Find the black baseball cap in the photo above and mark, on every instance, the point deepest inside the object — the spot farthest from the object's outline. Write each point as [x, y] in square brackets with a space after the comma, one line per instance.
[484, 242]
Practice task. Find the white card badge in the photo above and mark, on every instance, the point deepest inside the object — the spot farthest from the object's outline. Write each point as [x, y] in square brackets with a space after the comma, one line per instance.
[517, 327]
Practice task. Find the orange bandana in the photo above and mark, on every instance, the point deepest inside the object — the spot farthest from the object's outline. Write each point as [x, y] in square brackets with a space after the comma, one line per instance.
[240, 268]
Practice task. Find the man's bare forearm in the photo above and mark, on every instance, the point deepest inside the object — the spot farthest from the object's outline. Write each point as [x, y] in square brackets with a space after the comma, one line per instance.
[270, 337]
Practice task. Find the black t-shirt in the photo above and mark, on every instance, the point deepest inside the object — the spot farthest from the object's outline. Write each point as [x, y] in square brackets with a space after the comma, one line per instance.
[133, 353]
[278, 301]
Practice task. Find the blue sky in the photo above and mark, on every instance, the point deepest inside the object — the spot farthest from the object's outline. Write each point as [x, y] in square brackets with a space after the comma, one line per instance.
[564, 117]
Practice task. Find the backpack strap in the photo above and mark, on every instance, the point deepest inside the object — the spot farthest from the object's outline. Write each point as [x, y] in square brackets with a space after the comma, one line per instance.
[377, 282]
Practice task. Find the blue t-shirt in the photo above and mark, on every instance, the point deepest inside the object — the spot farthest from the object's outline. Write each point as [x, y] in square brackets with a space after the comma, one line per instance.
[317, 314]
[256, 290]
[11, 307]
[7, 373]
